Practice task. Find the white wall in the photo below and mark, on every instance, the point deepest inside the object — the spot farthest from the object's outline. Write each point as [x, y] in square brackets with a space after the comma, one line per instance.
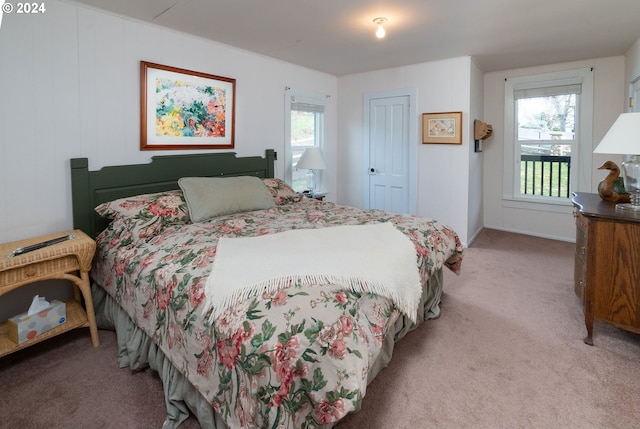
[632, 70]
[69, 87]
[609, 89]
[443, 170]
[476, 159]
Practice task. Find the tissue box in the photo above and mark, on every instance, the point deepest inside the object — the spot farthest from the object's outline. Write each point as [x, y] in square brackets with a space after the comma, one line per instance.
[24, 327]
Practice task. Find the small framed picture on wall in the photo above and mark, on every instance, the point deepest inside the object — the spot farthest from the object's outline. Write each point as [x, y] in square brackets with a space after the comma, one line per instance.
[442, 128]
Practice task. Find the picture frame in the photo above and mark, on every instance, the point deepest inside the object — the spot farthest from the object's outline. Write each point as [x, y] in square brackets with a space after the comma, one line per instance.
[442, 128]
[185, 109]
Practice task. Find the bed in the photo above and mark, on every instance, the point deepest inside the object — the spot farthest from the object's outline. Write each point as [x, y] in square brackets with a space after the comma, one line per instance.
[295, 354]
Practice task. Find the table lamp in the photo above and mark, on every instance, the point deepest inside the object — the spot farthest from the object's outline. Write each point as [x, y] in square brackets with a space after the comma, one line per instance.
[624, 138]
[312, 160]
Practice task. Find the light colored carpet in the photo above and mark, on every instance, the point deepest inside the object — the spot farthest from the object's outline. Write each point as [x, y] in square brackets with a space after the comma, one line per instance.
[507, 352]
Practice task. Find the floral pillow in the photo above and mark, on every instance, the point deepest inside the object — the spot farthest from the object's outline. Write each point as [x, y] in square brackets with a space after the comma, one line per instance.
[282, 193]
[119, 233]
[145, 215]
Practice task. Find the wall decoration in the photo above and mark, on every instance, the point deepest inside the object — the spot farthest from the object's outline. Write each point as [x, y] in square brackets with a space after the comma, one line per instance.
[443, 127]
[184, 109]
[481, 131]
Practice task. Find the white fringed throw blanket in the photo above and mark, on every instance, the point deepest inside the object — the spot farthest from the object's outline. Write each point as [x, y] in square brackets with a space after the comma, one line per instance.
[373, 258]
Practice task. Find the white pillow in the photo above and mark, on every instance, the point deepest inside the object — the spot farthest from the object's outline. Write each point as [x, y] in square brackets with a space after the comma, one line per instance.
[208, 197]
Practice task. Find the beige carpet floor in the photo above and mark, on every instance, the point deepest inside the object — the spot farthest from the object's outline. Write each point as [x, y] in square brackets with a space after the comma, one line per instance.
[507, 352]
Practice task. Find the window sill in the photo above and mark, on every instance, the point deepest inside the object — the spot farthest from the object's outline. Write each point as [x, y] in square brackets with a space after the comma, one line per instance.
[563, 205]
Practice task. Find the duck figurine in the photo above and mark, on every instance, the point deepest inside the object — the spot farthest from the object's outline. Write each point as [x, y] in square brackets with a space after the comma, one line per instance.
[612, 187]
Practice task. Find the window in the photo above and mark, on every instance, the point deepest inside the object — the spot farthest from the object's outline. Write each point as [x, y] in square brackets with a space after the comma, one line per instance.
[548, 141]
[545, 121]
[304, 128]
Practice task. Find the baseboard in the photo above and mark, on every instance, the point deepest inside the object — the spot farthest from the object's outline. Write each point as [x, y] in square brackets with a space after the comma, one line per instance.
[472, 238]
[533, 234]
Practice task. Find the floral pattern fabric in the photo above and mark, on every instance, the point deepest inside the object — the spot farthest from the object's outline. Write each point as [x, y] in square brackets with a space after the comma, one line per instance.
[143, 216]
[281, 191]
[294, 358]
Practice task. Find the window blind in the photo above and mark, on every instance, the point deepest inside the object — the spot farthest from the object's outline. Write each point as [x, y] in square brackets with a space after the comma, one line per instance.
[307, 107]
[306, 104]
[547, 91]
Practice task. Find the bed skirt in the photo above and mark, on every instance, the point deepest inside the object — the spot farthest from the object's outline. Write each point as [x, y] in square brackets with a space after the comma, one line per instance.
[138, 352]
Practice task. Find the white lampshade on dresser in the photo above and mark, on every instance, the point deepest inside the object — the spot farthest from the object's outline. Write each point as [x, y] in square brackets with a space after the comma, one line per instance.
[623, 138]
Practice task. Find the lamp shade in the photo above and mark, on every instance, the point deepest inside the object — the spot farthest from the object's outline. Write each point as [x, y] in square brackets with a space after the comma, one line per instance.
[623, 137]
[312, 159]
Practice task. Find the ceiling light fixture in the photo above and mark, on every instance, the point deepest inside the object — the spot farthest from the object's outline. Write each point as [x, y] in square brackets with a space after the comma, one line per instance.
[380, 31]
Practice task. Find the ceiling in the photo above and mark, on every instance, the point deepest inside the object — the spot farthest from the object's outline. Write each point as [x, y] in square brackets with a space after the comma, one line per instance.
[337, 36]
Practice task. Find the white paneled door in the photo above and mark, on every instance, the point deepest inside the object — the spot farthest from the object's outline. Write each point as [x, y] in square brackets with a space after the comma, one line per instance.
[388, 168]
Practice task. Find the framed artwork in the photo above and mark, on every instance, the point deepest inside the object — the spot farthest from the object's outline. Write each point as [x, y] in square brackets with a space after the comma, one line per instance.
[184, 109]
[443, 127]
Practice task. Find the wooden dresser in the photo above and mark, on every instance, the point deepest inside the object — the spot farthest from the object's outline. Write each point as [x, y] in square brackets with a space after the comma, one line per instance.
[607, 263]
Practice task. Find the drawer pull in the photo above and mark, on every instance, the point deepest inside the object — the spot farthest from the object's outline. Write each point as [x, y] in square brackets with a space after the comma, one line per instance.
[583, 249]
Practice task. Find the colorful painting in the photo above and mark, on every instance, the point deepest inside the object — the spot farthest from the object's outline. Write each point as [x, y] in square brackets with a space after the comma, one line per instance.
[442, 127]
[182, 109]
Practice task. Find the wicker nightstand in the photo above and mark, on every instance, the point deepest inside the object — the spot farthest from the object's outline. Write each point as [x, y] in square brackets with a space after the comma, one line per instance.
[69, 260]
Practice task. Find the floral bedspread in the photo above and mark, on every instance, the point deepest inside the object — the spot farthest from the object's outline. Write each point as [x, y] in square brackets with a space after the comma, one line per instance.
[295, 358]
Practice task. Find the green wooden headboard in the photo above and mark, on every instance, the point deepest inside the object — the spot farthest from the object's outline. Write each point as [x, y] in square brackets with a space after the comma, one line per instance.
[90, 188]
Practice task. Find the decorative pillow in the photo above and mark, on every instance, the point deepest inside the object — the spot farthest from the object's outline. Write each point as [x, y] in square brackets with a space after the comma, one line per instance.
[119, 233]
[281, 191]
[208, 197]
[145, 215]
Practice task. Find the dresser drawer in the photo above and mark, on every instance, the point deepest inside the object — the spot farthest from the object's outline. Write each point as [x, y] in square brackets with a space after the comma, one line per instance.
[579, 277]
[37, 271]
[580, 268]
[582, 223]
[581, 244]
